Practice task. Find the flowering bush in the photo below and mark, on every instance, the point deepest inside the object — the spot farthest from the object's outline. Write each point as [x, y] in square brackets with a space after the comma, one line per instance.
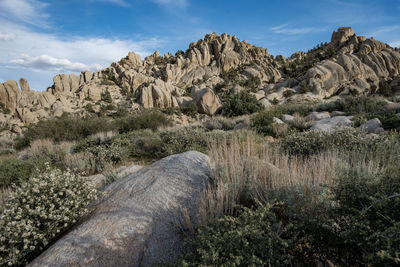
[40, 210]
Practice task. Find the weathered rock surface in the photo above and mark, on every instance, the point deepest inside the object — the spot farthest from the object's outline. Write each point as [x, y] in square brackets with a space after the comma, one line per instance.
[136, 223]
[207, 102]
[331, 124]
[372, 126]
[315, 116]
[349, 64]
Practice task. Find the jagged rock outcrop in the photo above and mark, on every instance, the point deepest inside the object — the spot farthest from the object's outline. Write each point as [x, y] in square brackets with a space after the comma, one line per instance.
[137, 223]
[348, 64]
[358, 66]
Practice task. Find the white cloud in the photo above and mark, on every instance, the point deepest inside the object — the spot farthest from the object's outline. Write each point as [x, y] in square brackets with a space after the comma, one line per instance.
[179, 3]
[42, 53]
[27, 11]
[284, 29]
[6, 36]
[46, 62]
[395, 43]
[384, 30]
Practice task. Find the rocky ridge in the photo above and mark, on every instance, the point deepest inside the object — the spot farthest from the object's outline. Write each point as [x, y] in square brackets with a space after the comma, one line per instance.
[210, 69]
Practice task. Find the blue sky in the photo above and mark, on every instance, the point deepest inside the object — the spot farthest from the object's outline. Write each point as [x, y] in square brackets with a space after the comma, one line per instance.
[41, 38]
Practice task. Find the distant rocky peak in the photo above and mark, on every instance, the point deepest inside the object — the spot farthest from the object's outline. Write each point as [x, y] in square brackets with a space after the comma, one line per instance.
[342, 35]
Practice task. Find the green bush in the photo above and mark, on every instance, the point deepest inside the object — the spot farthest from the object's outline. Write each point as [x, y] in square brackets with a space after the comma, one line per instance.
[106, 96]
[262, 122]
[219, 123]
[254, 238]
[182, 139]
[241, 104]
[14, 171]
[354, 140]
[64, 128]
[39, 211]
[354, 221]
[360, 225]
[105, 156]
[253, 83]
[191, 110]
[148, 119]
[3, 109]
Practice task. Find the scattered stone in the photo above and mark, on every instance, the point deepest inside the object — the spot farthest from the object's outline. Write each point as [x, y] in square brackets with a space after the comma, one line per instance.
[287, 118]
[371, 126]
[315, 116]
[241, 126]
[277, 120]
[330, 124]
[266, 104]
[337, 113]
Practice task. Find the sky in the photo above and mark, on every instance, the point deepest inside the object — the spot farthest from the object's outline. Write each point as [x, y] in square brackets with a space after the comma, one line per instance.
[42, 38]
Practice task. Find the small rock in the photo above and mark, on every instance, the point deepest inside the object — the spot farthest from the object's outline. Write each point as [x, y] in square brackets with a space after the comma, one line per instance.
[16, 129]
[371, 126]
[278, 121]
[315, 116]
[265, 103]
[337, 113]
[240, 126]
[269, 139]
[379, 130]
[287, 117]
[258, 96]
[398, 115]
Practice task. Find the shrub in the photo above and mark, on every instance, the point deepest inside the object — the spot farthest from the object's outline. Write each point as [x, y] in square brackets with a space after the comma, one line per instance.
[47, 151]
[140, 144]
[3, 109]
[64, 128]
[363, 104]
[219, 123]
[14, 171]
[313, 142]
[241, 104]
[106, 96]
[182, 139]
[338, 209]
[144, 120]
[39, 211]
[190, 110]
[105, 156]
[262, 121]
[299, 123]
[254, 238]
[288, 93]
[252, 82]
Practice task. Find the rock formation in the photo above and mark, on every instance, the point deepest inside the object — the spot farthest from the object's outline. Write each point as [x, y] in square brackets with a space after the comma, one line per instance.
[211, 67]
[137, 223]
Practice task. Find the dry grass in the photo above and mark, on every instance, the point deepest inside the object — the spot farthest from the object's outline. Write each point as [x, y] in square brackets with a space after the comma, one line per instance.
[42, 147]
[244, 169]
[4, 193]
[105, 135]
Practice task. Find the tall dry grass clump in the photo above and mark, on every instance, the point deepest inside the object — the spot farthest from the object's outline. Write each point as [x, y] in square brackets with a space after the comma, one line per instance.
[245, 169]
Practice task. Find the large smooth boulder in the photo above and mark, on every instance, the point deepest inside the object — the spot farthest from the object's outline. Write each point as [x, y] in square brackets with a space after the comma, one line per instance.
[207, 102]
[137, 221]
